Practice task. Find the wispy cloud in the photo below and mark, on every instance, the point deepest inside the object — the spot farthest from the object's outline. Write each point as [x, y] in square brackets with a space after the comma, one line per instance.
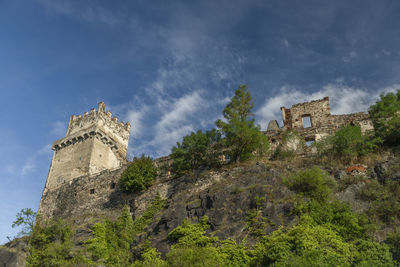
[30, 163]
[81, 11]
[59, 128]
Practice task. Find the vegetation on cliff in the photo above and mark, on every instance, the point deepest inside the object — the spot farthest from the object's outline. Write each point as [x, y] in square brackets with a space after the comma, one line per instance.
[139, 175]
[322, 231]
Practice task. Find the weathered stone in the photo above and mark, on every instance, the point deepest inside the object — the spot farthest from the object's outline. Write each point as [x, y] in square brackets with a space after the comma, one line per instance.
[313, 121]
[340, 175]
[381, 171]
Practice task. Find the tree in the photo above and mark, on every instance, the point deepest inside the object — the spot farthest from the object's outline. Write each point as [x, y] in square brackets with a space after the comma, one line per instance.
[139, 175]
[385, 115]
[196, 150]
[242, 135]
[25, 218]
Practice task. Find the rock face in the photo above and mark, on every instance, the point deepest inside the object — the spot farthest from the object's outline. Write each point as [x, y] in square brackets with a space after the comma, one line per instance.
[13, 254]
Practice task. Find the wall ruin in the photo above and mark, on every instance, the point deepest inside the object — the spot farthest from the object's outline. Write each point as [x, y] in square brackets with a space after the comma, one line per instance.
[313, 121]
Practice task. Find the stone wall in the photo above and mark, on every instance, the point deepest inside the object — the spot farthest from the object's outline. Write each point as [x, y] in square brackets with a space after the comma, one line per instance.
[86, 195]
[321, 122]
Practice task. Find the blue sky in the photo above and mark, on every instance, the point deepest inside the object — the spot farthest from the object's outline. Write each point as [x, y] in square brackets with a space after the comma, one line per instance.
[169, 67]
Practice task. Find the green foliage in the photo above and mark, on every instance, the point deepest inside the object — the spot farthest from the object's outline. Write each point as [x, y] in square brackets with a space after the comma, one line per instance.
[150, 258]
[197, 150]
[256, 223]
[338, 216]
[111, 240]
[312, 244]
[385, 115]
[385, 200]
[313, 183]
[139, 175]
[242, 136]
[25, 218]
[51, 245]
[347, 143]
[193, 248]
[393, 241]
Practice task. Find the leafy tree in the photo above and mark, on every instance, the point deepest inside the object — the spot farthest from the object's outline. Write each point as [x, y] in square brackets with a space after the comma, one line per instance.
[25, 218]
[242, 136]
[139, 175]
[385, 115]
[196, 150]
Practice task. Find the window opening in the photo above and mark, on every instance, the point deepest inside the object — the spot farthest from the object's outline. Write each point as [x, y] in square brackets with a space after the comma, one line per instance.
[92, 191]
[307, 121]
[112, 186]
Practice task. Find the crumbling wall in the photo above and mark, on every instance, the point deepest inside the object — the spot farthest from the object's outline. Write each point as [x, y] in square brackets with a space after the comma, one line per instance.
[321, 122]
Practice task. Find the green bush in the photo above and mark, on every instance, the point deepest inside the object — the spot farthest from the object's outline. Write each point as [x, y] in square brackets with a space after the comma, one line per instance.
[311, 244]
[191, 247]
[385, 115]
[50, 245]
[139, 175]
[197, 150]
[313, 183]
[347, 143]
[111, 240]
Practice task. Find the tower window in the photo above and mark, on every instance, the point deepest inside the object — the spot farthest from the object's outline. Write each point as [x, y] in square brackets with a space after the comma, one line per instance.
[92, 191]
[307, 121]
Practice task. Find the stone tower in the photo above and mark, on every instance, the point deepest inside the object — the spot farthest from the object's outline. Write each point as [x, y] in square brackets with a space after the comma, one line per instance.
[94, 142]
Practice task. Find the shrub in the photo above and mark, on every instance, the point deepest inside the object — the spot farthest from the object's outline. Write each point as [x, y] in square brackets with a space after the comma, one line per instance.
[50, 244]
[139, 175]
[196, 150]
[347, 143]
[313, 183]
[385, 115]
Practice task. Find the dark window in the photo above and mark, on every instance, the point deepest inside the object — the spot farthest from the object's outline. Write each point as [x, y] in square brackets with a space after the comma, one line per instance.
[307, 121]
[91, 191]
[112, 186]
[310, 140]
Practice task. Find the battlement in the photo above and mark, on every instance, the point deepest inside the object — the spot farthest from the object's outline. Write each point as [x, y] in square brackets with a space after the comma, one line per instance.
[99, 116]
[94, 142]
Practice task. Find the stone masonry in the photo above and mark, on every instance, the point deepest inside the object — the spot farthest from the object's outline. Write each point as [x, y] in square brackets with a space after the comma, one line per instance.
[88, 162]
[93, 143]
[313, 121]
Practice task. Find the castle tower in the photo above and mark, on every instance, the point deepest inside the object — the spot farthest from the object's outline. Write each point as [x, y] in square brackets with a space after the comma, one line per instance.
[94, 142]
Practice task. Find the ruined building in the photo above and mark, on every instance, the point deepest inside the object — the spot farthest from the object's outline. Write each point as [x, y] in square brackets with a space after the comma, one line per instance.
[94, 143]
[313, 120]
[89, 160]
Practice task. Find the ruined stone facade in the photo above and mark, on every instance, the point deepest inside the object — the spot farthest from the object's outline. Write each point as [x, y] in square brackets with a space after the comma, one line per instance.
[93, 143]
[313, 121]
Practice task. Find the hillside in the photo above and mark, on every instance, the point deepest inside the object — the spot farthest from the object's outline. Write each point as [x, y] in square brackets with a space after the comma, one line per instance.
[232, 196]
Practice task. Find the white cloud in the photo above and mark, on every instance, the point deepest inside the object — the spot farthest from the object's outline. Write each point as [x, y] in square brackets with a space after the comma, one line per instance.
[30, 163]
[176, 122]
[343, 100]
[58, 128]
[135, 118]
